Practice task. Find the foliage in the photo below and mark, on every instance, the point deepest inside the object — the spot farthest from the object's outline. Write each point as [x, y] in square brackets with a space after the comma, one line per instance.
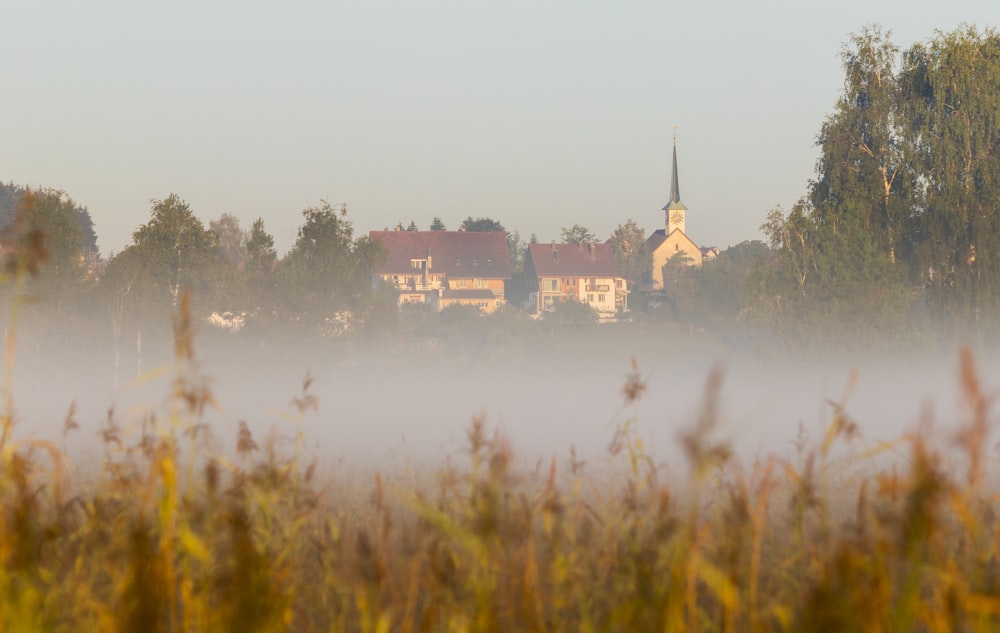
[260, 253]
[172, 253]
[634, 259]
[571, 313]
[437, 224]
[481, 225]
[327, 271]
[231, 238]
[680, 288]
[900, 214]
[577, 234]
[11, 196]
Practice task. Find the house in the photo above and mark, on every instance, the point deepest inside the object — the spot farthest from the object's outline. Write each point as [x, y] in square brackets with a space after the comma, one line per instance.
[672, 241]
[586, 272]
[442, 268]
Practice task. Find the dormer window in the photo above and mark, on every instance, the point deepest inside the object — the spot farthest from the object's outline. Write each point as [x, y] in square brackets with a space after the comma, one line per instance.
[418, 264]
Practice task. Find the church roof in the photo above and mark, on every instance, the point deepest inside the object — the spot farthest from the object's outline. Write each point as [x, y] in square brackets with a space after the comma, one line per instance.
[660, 236]
[675, 203]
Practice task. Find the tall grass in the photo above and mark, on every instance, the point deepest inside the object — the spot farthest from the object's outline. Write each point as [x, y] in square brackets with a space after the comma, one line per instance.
[173, 535]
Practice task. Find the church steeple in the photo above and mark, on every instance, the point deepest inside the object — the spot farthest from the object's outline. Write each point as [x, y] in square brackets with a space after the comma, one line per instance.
[675, 208]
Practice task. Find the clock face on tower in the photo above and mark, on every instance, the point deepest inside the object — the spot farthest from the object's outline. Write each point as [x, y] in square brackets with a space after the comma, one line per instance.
[676, 217]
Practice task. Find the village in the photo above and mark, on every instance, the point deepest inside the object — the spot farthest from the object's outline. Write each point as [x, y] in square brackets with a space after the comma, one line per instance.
[471, 268]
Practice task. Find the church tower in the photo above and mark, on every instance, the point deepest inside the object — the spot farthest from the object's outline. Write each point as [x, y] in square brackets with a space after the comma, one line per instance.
[675, 209]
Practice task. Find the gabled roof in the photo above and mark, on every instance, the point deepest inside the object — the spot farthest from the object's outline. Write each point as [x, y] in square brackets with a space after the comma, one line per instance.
[573, 260]
[457, 254]
[660, 236]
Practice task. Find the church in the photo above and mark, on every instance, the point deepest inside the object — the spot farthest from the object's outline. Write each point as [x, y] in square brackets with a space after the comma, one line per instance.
[672, 241]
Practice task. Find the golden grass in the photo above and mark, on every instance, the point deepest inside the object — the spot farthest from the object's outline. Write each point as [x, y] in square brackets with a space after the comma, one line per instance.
[171, 536]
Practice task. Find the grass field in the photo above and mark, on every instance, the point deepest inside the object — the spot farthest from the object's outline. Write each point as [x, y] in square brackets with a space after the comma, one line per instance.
[173, 534]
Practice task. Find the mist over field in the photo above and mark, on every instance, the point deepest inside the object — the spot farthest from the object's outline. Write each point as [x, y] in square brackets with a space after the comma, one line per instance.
[379, 410]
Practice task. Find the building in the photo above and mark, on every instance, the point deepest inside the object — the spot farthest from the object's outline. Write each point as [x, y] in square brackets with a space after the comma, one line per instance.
[672, 241]
[442, 268]
[585, 272]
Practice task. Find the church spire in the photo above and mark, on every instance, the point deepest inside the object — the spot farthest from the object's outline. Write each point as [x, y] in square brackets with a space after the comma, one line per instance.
[675, 208]
[675, 189]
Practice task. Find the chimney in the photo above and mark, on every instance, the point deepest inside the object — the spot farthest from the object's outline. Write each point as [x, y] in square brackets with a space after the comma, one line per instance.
[590, 247]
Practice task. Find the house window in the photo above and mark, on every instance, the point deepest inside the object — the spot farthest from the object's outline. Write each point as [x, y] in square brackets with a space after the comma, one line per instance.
[590, 298]
[602, 298]
[480, 283]
[677, 247]
[551, 285]
[419, 264]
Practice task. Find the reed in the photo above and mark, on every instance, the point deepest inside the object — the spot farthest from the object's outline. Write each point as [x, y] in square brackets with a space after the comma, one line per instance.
[174, 535]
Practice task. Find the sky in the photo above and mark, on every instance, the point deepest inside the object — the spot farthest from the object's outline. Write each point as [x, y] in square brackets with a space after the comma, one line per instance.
[540, 114]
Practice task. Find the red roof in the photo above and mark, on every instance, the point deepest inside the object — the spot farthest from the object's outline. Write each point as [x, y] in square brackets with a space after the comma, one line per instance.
[457, 254]
[573, 260]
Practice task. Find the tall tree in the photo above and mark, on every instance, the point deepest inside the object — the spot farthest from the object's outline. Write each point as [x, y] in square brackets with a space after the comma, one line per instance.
[859, 203]
[437, 224]
[953, 85]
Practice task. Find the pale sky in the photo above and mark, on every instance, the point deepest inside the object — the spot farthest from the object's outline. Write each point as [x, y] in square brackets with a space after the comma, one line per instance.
[539, 114]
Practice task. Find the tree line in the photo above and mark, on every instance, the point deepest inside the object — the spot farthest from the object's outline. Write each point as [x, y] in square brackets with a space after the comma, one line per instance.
[323, 286]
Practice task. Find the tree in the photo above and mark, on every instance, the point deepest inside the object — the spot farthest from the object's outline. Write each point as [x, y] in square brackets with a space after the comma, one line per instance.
[43, 251]
[790, 236]
[952, 109]
[847, 240]
[857, 207]
[577, 234]
[260, 253]
[327, 271]
[634, 259]
[412, 227]
[232, 239]
[680, 286]
[172, 251]
[53, 216]
[482, 225]
[437, 224]
[12, 195]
